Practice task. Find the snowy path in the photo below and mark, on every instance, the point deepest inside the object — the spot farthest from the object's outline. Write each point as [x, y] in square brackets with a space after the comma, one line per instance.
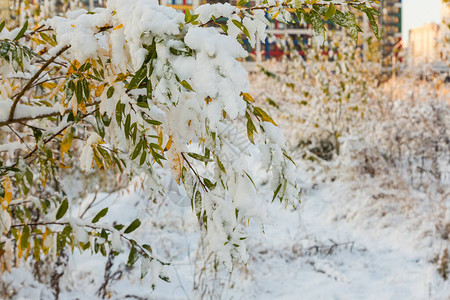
[365, 264]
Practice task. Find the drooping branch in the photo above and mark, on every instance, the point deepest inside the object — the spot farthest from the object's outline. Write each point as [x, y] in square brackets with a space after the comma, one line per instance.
[30, 117]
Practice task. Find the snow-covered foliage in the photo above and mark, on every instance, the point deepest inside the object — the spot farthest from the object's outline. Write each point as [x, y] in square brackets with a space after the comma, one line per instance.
[148, 93]
[354, 235]
[380, 153]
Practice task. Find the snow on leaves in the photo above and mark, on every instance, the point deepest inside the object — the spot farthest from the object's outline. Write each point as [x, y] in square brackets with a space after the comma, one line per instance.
[141, 89]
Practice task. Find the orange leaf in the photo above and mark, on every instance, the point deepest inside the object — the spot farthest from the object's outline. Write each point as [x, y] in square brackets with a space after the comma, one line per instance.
[118, 27]
[169, 144]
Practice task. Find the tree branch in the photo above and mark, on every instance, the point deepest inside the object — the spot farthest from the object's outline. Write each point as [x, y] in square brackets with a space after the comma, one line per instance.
[32, 79]
[45, 115]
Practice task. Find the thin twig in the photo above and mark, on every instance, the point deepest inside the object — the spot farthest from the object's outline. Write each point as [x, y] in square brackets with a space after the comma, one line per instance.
[21, 139]
[195, 172]
[44, 115]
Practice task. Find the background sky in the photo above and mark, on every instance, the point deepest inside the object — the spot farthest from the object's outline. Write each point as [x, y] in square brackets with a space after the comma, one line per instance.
[418, 12]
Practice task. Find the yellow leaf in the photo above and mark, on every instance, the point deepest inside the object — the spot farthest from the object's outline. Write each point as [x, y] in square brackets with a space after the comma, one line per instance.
[19, 244]
[99, 90]
[118, 27]
[263, 115]
[66, 142]
[176, 166]
[7, 185]
[98, 160]
[169, 144]
[48, 85]
[46, 240]
[247, 97]
[275, 15]
[56, 89]
[160, 137]
[82, 107]
[74, 66]
[73, 103]
[27, 253]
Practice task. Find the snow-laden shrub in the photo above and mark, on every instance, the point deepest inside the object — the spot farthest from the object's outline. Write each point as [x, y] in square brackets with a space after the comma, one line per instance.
[141, 90]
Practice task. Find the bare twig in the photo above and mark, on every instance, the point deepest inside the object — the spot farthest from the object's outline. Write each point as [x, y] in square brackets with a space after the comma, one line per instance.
[195, 172]
[21, 139]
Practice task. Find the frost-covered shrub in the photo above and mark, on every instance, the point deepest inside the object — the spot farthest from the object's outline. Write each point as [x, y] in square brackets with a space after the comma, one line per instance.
[325, 95]
[141, 90]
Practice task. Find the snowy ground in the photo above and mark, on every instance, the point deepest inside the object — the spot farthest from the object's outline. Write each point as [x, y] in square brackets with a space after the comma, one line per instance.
[340, 243]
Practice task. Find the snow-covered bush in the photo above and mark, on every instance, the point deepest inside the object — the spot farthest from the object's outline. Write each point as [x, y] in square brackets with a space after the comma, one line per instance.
[139, 90]
[328, 92]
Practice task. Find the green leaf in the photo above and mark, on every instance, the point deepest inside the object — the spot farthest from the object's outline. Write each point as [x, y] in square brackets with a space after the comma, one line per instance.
[199, 157]
[371, 13]
[2, 25]
[222, 168]
[110, 92]
[237, 23]
[152, 122]
[317, 24]
[79, 91]
[22, 31]
[209, 184]
[148, 248]
[119, 111]
[187, 16]
[156, 146]
[86, 90]
[138, 77]
[137, 150]
[186, 85]
[249, 177]
[119, 226]
[100, 215]
[105, 155]
[339, 17]
[132, 257]
[142, 104]
[29, 176]
[373, 25]
[127, 126]
[62, 209]
[24, 239]
[263, 115]
[143, 158]
[276, 192]
[133, 226]
[242, 3]
[331, 11]
[353, 26]
[250, 128]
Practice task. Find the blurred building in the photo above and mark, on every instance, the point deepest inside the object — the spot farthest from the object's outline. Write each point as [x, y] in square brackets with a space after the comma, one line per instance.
[4, 10]
[445, 20]
[424, 43]
[181, 4]
[391, 31]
